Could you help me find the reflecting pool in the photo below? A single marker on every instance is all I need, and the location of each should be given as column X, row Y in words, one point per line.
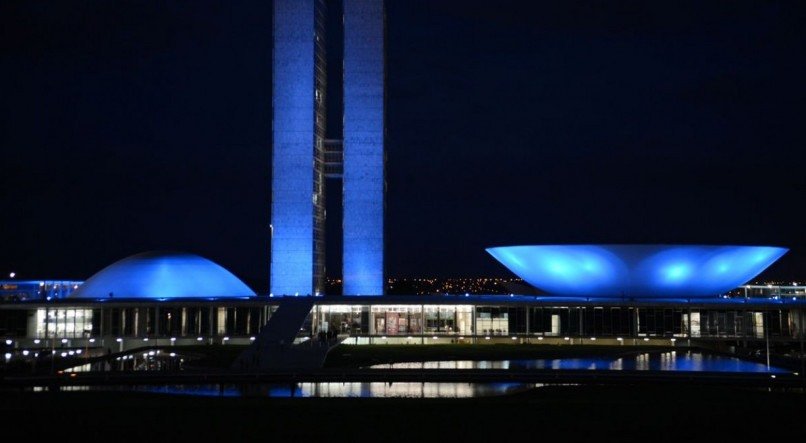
column 683, row 361
column 345, row 390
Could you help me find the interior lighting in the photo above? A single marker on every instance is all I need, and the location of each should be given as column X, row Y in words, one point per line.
column 64, row 340
column 37, row 341
column 92, row 340
column 620, row 339
column 145, row 338
column 9, row 342
column 173, row 339
column 540, row 338
column 199, row 339
column 25, row 352
column 251, row 338
column 646, row 338
column 118, row 339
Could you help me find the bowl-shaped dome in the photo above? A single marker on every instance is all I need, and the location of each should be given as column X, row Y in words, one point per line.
column 155, row 275
column 636, row 270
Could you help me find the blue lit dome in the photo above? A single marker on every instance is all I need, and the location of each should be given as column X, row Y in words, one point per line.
column 157, row 275
column 636, row 270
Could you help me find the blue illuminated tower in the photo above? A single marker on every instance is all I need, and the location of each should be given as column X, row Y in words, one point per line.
column 299, row 157
column 364, row 129
column 298, row 130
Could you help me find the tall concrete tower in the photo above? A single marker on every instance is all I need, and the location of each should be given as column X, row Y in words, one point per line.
column 298, row 131
column 298, row 154
column 364, row 157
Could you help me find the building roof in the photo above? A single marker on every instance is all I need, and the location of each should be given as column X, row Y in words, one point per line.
column 162, row 275
column 636, row 271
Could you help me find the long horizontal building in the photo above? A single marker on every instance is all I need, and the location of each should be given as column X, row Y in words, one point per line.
column 175, row 298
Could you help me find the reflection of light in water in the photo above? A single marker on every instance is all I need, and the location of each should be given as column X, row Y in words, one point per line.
column 400, row 390
column 617, row 365
column 447, row 364
column 642, row 362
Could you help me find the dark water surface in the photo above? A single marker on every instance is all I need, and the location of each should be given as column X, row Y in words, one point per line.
column 683, row 361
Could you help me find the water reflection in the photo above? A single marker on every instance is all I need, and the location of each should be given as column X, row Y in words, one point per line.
column 344, row 390
column 665, row 361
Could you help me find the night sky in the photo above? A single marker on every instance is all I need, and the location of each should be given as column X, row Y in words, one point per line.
column 132, row 126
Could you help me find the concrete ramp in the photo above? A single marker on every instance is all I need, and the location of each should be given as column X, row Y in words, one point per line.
column 274, row 347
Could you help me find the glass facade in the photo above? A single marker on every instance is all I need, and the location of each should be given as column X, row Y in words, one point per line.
column 421, row 323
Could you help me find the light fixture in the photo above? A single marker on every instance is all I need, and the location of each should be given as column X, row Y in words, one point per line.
column 92, row 340
column 118, row 339
column 37, row 341
column 64, row 340
column 9, row 342
column 646, row 338
column 199, row 339
column 25, row 352
column 540, row 338
column 173, row 339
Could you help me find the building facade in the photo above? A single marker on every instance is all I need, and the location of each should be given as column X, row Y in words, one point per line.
column 299, row 153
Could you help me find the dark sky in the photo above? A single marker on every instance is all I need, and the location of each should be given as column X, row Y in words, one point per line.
column 129, row 126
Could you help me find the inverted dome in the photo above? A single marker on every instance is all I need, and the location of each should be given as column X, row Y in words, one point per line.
column 163, row 275
column 636, row 270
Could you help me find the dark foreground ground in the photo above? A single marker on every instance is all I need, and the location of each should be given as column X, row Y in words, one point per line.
column 563, row 413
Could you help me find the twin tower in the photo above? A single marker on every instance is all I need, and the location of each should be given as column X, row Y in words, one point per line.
column 300, row 152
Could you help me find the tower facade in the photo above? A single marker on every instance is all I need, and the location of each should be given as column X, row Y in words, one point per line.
column 364, row 157
column 298, row 151
column 298, row 132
